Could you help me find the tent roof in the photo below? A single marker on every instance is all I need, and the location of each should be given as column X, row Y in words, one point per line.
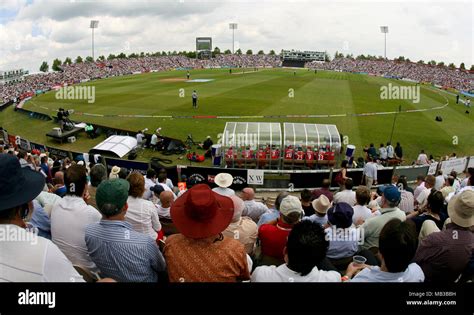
column 117, row 145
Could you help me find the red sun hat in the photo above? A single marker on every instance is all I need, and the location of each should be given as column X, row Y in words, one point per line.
column 201, row 213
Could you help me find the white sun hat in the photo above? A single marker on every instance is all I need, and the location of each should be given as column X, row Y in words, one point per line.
column 223, row 180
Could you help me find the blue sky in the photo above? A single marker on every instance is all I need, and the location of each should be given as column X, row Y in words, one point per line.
column 33, row 31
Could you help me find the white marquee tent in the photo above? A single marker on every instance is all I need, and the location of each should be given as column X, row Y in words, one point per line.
column 116, row 145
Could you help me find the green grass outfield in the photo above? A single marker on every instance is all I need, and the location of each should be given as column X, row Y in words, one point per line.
column 265, row 92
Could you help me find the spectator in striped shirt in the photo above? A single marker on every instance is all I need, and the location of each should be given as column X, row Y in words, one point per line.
column 407, row 203
column 120, row 252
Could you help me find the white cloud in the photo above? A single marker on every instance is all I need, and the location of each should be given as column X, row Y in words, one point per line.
column 418, row 29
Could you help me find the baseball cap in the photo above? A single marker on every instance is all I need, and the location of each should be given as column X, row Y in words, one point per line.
column 112, row 192
column 290, row 204
column 391, row 193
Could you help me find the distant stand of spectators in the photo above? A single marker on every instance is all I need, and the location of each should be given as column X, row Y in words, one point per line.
column 440, row 75
column 77, row 72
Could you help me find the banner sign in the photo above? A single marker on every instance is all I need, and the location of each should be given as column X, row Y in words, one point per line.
column 205, row 175
column 58, row 152
column 255, row 177
column 412, row 172
column 24, row 144
column 37, row 146
column 458, row 165
column 433, row 168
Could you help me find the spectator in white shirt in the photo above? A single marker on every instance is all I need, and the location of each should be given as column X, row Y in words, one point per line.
column 390, row 151
column 141, row 213
column 448, row 187
column 27, row 257
column 166, row 200
column 457, row 182
column 306, row 248
column 157, row 190
column 469, row 174
column 154, row 140
column 422, row 199
column 397, row 247
column 382, row 152
column 71, row 215
column 439, row 180
column 419, row 186
column 224, row 181
column 422, row 159
column 140, row 138
column 370, row 173
column 163, row 178
column 150, row 181
column 362, row 200
column 347, row 195
column 253, row 209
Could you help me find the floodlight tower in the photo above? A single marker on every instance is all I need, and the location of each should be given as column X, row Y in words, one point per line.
column 94, row 25
column 384, row 30
column 233, row 27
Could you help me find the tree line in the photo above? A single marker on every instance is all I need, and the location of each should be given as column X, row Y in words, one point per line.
column 57, row 63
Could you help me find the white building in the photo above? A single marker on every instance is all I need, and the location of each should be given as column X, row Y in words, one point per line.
column 12, row 76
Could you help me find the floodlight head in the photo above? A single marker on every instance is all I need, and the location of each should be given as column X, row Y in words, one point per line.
column 384, row 29
column 233, row 26
column 94, row 24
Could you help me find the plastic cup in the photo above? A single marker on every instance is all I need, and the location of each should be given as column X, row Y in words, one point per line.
column 359, row 260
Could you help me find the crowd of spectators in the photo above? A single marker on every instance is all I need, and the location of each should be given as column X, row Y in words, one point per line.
column 75, row 222
column 439, row 75
column 77, row 72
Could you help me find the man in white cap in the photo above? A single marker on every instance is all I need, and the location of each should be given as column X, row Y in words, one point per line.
column 273, row 235
column 223, row 181
column 444, row 255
